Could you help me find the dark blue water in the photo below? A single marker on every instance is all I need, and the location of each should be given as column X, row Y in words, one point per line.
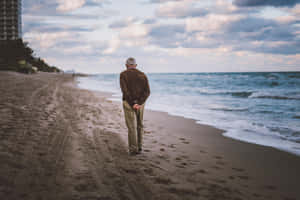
column 261, row 108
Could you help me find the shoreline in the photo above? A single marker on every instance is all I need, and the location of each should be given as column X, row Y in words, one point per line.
column 58, row 141
column 257, row 160
column 110, row 96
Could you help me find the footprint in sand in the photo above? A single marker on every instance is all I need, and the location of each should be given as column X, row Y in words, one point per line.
column 220, row 163
column 180, row 166
column 108, row 160
column 149, row 171
column 105, row 140
column 201, row 151
column 220, row 181
column 270, row 187
column 184, row 140
column 142, row 159
column 256, row 195
column 184, row 163
column 81, row 187
column 202, row 171
column 163, row 157
column 183, row 156
column 218, row 157
column 178, row 158
column 243, row 177
column 164, row 181
column 162, row 149
column 42, row 153
column 130, row 171
column 147, row 150
column 216, row 167
column 85, row 187
column 238, row 169
column 183, row 191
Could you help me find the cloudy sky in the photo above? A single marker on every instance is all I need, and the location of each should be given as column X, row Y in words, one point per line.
column 96, row 36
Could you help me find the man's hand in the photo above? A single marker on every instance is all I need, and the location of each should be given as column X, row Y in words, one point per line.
column 136, row 106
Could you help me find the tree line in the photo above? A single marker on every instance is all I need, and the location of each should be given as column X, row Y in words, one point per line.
column 16, row 55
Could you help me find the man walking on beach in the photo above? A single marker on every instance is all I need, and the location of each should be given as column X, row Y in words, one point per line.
column 135, row 88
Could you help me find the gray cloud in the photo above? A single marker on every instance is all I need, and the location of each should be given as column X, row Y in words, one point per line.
column 167, row 36
column 126, row 22
column 262, row 35
column 150, row 21
column 122, row 23
column 47, row 27
column 42, row 7
column 211, row 43
column 250, row 24
column 162, row 31
column 192, row 9
column 37, row 10
column 65, row 31
column 276, row 3
column 49, row 8
column 162, row 1
column 252, row 34
column 289, row 48
column 183, row 13
column 97, row 3
column 247, row 34
column 259, row 29
column 118, row 24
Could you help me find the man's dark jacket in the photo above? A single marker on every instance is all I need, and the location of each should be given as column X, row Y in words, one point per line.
column 135, row 86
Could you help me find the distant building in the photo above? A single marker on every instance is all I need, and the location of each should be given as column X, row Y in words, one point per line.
column 10, row 19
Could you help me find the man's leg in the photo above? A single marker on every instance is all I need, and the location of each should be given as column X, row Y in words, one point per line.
column 140, row 126
column 130, row 119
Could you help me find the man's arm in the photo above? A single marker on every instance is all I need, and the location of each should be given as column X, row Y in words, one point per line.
column 125, row 91
column 146, row 92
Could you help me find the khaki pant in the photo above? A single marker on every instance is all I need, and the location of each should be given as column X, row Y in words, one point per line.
column 134, row 122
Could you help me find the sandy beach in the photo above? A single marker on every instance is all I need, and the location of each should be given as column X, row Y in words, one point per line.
column 61, row 142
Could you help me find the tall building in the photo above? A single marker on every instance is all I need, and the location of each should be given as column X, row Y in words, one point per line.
column 10, row 19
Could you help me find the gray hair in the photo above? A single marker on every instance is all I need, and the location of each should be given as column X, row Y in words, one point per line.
column 130, row 61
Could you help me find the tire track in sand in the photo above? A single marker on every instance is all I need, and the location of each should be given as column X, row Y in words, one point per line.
column 43, row 152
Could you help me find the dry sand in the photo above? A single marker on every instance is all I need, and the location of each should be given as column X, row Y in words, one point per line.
column 61, row 142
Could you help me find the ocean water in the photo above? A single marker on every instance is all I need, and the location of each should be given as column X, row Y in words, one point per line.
column 261, row 108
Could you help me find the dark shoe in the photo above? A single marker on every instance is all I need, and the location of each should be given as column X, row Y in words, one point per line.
column 140, row 150
column 133, row 153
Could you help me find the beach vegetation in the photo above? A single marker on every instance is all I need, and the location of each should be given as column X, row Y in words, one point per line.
column 16, row 55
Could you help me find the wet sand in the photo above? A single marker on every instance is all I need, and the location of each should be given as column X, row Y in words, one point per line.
column 61, row 142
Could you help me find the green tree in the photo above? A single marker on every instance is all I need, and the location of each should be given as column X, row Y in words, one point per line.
column 13, row 51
